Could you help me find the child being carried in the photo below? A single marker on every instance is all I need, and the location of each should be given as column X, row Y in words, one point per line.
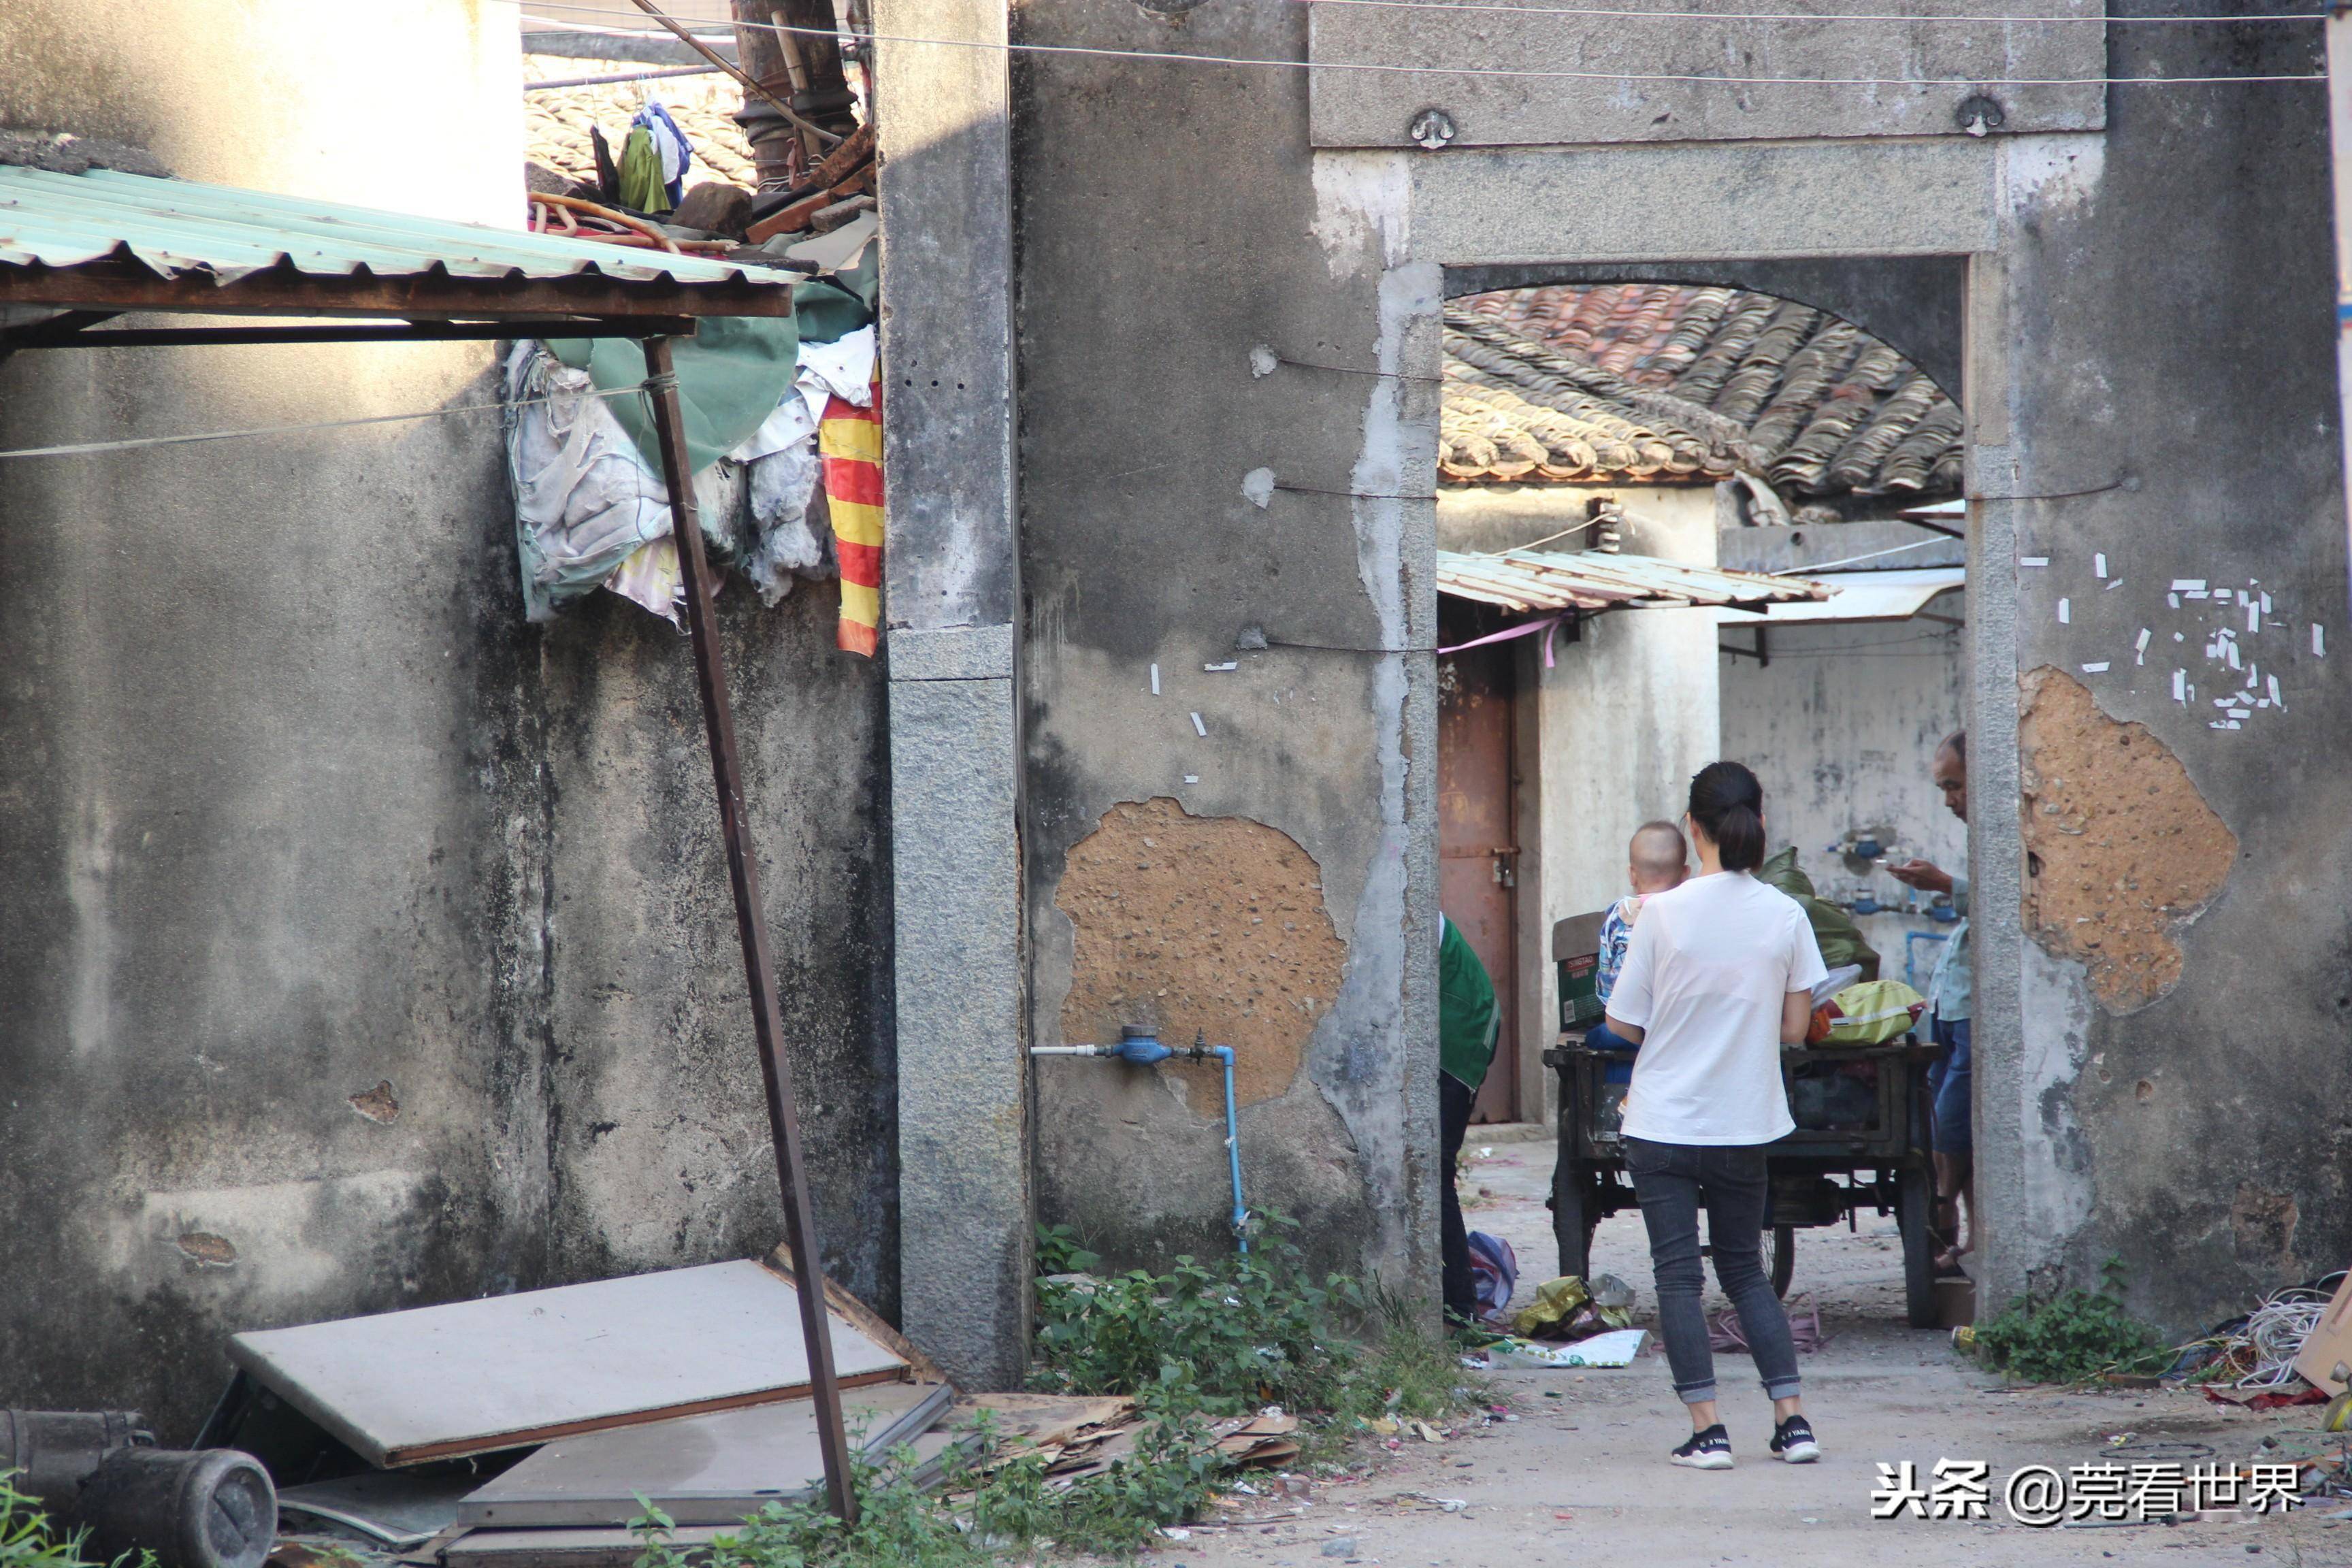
column 1656, row 859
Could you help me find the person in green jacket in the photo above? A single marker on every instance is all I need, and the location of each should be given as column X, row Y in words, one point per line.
column 1467, row 1023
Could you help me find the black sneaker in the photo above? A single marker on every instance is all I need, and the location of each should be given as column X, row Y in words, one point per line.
column 1794, row 1440
column 1708, row 1450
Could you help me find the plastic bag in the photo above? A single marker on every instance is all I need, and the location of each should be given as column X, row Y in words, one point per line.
column 1869, row 1014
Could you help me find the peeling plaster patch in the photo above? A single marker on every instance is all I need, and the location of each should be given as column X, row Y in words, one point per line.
column 1362, row 202
column 2262, row 1231
column 2055, row 1003
column 1186, row 923
column 213, row 1251
column 377, row 1104
column 2121, row 850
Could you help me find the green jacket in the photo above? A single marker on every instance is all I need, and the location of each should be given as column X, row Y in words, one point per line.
column 1467, row 1020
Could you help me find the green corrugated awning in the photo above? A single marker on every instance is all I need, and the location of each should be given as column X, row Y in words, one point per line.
column 143, row 242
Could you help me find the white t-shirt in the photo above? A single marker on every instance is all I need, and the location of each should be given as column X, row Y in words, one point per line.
column 1705, row 978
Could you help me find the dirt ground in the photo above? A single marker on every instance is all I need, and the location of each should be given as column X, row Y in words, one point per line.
column 1576, row 1470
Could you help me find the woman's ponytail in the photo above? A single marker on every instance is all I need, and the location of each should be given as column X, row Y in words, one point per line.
column 1728, row 804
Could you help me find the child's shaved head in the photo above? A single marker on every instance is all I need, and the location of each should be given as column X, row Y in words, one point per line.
column 1658, row 856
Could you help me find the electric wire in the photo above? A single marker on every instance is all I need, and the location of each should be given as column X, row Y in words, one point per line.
column 1973, row 18
column 1518, row 73
column 137, row 443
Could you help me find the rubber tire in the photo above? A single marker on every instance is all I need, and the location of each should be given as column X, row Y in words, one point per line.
column 1783, row 1238
column 1914, row 1209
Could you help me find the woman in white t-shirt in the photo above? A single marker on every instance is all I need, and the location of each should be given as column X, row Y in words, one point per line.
column 1718, row 976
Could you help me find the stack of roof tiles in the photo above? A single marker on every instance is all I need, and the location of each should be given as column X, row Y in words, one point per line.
column 1663, row 383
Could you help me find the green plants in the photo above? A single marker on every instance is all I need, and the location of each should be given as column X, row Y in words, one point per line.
column 2072, row 1337
column 28, row 1538
column 1250, row 1330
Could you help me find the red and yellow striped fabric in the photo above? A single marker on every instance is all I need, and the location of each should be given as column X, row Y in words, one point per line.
column 849, row 441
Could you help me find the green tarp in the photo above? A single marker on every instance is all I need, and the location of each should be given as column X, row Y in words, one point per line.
column 1838, row 938
column 735, row 369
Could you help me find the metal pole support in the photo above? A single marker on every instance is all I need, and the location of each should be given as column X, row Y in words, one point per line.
column 752, row 922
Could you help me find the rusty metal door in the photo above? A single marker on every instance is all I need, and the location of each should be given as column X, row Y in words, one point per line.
column 1477, row 843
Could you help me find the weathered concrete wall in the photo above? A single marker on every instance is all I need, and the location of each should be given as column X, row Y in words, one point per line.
column 364, row 947
column 1144, row 286
column 2192, row 1123
column 1840, row 727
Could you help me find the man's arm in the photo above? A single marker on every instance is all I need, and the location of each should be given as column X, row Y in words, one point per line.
column 1624, row 1031
column 1795, row 1017
column 1924, row 875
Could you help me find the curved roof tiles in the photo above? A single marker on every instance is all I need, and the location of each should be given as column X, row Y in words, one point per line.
column 1667, row 383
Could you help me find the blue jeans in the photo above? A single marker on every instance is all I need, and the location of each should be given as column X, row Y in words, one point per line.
column 1948, row 1082
column 1672, row 1180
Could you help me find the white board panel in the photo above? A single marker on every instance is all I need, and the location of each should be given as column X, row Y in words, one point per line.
column 473, row 1376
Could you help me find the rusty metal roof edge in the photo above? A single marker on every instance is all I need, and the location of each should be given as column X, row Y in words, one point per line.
column 175, row 227
column 1528, row 579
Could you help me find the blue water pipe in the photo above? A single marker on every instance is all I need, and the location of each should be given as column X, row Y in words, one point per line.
column 1911, row 940
column 1140, row 1046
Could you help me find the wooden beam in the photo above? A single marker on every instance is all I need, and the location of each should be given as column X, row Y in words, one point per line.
column 283, row 291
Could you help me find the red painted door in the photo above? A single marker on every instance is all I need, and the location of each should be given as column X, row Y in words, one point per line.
column 1477, row 813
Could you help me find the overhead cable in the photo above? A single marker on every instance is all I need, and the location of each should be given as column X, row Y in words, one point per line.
column 136, row 443
column 1518, row 73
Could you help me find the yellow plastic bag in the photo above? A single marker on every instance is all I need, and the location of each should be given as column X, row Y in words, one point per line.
column 1868, row 1013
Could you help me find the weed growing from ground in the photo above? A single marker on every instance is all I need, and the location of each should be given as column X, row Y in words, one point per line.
column 2073, row 1337
column 28, row 1538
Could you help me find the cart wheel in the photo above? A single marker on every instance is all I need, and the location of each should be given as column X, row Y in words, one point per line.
column 1574, row 1216
column 1914, row 1204
column 1780, row 1257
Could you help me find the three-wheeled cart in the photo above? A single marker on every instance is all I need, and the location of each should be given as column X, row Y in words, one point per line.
column 1872, row 1153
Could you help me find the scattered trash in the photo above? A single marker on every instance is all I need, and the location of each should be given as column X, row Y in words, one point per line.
column 1724, row 1332
column 1493, row 1273
column 1345, row 1546
column 1564, row 1309
column 1609, row 1349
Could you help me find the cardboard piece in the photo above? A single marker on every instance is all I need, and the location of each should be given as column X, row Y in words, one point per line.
column 507, row 1371
column 2330, row 1346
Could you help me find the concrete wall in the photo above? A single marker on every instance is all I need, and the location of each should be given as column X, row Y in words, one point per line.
column 1145, row 281
column 1840, row 727
column 364, row 947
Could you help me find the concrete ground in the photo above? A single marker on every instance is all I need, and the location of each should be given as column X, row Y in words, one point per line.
column 1576, row 1470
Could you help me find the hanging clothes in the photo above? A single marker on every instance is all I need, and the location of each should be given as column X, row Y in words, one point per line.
column 849, row 443
column 676, row 153
column 641, row 188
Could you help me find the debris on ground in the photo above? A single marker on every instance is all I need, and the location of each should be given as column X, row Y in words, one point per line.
column 1724, row 1332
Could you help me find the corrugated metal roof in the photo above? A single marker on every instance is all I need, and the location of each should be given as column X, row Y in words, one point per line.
column 175, row 228
column 1862, row 596
column 1526, row 579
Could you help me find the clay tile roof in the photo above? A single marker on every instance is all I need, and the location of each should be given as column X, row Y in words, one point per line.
column 556, row 120
column 1665, row 383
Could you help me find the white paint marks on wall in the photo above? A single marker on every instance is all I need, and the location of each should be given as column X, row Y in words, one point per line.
column 2318, row 640
column 1155, row 680
column 1192, row 778
column 2254, row 617
column 2065, row 612
column 2189, row 585
column 1257, row 487
column 2230, row 652
column 2173, row 599
column 2139, row 648
column 2277, row 700
column 2113, row 582
column 2099, row 564
column 1218, row 668
column 2100, row 668
column 2033, row 561
column 2180, row 686
column 1200, row 729
column 1363, row 202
